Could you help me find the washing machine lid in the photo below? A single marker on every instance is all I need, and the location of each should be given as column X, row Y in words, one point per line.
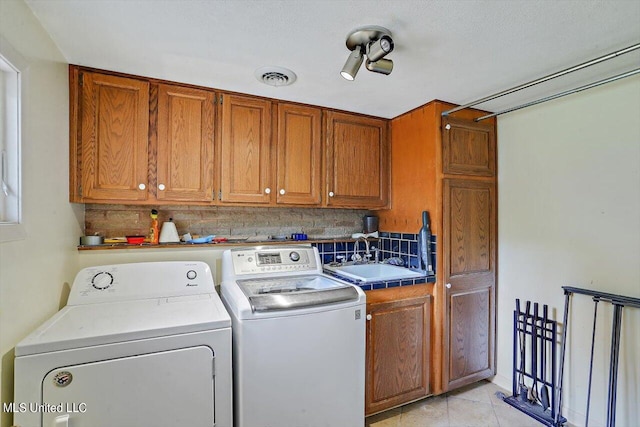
column 287, row 292
column 106, row 323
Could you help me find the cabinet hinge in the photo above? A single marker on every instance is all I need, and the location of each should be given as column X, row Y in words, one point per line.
column 220, row 99
column 220, row 195
column 81, row 79
column 80, row 190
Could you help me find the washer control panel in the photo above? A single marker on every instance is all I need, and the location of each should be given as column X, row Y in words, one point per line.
column 120, row 282
column 274, row 259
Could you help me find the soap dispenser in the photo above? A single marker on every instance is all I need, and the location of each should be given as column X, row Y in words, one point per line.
column 169, row 233
column 154, row 232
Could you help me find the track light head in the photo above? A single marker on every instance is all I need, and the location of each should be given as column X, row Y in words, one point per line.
column 376, row 43
column 382, row 66
column 380, row 48
column 354, row 61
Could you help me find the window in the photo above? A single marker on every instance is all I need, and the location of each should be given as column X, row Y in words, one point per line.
column 11, row 67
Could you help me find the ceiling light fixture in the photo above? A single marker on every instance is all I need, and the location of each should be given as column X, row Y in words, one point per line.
column 382, row 66
column 354, row 61
column 376, row 43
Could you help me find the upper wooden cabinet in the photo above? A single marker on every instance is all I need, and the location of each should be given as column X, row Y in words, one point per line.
column 357, row 161
column 109, row 138
column 299, row 155
column 246, row 150
column 468, row 148
column 185, row 154
column 146, row 141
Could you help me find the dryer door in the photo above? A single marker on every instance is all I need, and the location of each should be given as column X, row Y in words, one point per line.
column 169, row 388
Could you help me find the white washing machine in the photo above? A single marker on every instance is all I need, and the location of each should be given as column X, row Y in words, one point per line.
column 298, row 339
column 138, row 345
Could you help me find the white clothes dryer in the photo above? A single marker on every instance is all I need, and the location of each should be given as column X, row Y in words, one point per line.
column 138, row 345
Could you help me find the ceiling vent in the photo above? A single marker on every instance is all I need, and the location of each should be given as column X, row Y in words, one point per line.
column 275, row 76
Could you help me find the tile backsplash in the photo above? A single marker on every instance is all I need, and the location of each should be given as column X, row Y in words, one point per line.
column 405, row 246
column 225, row 221
column 390, row 245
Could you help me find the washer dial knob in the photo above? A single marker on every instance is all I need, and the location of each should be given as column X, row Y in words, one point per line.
column 191, row 274
column 102, row 280
column 294, row 256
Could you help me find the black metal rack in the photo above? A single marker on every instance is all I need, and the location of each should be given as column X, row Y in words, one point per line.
column 534, row 335
column 619, row 302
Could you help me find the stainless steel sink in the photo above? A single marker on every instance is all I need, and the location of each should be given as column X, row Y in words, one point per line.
column 373, row 272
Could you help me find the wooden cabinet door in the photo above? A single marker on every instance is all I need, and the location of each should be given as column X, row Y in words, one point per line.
column 246, row 150
column 357, row 162
column 185, row 161
column 299, row 151
column 397, row 365
column 469, row 256
column 468, row 147
column 114, row 138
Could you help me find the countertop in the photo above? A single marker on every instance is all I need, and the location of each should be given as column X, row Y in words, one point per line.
column 230, row 243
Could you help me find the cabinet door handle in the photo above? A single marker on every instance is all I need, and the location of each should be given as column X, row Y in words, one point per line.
column 368, row 317
column 331, row 194
column 282, row 191
column 448, row 126
column 448, row 286
column 267, row 190
column 141, row 186
column 161, row 187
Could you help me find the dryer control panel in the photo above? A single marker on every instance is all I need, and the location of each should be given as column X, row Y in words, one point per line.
column 272, row 259
column 122, row 282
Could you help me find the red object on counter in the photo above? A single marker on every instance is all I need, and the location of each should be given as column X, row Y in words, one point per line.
column 135, row 240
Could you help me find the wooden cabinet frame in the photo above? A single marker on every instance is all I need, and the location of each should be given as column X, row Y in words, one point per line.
column 186, row 125
column 246, row 154
column 398, row 347
column 432, row 154
column 299, row 155
column 357, row 162
column 111, row 155
column 469, row 273
column 264, row 152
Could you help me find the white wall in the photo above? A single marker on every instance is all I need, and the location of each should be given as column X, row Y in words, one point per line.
column 33, row 271
column 569, row 215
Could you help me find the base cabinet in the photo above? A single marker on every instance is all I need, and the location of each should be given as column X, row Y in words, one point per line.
column 397, row 361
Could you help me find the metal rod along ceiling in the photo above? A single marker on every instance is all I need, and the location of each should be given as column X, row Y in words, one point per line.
column 550, row 77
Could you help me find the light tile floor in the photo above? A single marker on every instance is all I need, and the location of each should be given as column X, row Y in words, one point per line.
column 472, row 406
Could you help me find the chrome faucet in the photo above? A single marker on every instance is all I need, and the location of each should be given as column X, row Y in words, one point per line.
column 357, row 257
column 376, row 255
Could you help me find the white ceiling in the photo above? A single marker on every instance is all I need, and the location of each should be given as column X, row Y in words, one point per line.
column 455, row 51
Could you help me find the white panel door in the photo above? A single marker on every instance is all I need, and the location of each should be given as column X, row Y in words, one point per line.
column 169, row 388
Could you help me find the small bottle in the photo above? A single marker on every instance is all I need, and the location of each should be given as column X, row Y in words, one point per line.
column 154, row 232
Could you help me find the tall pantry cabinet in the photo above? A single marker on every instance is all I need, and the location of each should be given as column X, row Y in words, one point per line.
column 447, row 166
